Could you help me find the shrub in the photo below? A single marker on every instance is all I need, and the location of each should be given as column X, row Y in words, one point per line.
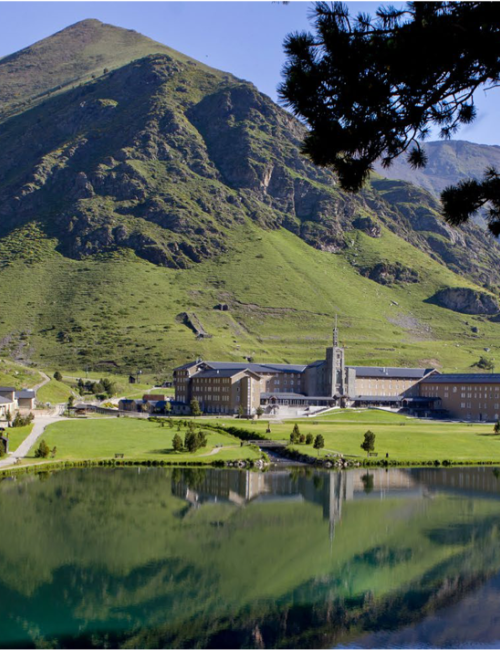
column 319, row 442
column 195, row 407
column 43, row 450
column 57, row 376
column 177, row 443
column 309, row 439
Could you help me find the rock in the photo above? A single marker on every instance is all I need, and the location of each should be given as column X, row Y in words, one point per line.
column 387, row 274
column 367, row 225
column 466, row 301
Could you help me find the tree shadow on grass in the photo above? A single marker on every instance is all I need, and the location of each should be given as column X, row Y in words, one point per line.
column 496, row 436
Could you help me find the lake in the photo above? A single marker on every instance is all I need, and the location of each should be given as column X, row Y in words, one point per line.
column 185, row 558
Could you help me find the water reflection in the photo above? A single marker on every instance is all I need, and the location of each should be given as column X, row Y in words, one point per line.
column 211, row 558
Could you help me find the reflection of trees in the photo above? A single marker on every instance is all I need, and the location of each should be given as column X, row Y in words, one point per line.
column 367, row 480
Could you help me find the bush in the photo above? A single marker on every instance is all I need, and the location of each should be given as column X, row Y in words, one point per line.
column 20, row 421
column 309, row 439
column 177, row 443
column 57, row 376
column 43, row 450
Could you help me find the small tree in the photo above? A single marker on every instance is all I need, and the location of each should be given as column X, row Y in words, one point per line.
column 54, row 452
column 319, row 442
column 496, row 428
column 57, row 376
column 2, row 448
column 167, row 408
column 177, row 443
column 191, row 441
column 195, row 407
column 43, row 450
column 259, row 412
column 8, row 417
column 71, row 401
column 201, row 439
column 368, row 443
column 295, row 435
column 302, row 438
column 309, row 439
column 170, row 423
column 241, row 411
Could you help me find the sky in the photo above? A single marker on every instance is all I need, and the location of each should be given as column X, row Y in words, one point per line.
column 244, row 38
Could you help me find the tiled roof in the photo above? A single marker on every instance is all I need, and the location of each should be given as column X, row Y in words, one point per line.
column 5, row 400
column 396, row 373
column 463, row 379
column 25, row 394
column 6, row 388
column 257, row 367
column 220, row 373
column 187, row 365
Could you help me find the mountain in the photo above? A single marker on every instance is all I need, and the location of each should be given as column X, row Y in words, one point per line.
column 149, row 199
column 449, row 161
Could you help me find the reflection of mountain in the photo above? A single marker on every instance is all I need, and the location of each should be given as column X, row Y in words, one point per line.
column 104, row 557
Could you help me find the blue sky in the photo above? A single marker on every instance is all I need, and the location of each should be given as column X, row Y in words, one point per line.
column 244, row 38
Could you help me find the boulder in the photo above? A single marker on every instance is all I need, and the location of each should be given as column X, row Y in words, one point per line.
column 466, row 301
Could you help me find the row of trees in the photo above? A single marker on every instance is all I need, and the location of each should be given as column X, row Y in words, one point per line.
column 297, row 438
column 102, row 388
column 192, row 441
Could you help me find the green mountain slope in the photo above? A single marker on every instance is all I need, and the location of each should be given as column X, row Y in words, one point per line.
column 135, row 203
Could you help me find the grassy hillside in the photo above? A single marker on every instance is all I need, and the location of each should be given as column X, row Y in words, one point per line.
column 120, row 313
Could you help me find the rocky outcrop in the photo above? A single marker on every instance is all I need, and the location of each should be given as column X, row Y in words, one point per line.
column 388, row 274
column 466, row 301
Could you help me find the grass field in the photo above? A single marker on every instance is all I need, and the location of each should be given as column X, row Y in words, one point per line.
column 404, row 439
column 17, row 435
column 55, row 392
column 137, row 439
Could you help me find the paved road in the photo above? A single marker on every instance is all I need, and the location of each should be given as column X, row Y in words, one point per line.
column 41, row 421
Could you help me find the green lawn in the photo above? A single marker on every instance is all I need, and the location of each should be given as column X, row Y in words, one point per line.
column 135, row 438
column 17, row 435
column 55, row 392
column 404, row 439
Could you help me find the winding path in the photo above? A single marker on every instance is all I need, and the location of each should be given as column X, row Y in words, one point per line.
column 39, row 425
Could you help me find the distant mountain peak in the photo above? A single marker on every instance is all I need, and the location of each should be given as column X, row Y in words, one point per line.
column 74, row 55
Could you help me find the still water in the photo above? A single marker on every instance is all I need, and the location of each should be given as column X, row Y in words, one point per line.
column 152, row 558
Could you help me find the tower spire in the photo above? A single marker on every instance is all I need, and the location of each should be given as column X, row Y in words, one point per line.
column 335, row 334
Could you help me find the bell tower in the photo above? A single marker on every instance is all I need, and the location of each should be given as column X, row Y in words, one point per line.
column 335, row 366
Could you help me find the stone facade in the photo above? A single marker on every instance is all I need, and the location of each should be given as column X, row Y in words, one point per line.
column 474, row 397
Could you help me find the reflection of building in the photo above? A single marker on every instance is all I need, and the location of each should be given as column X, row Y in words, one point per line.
column 329, row 490
column 465, row 481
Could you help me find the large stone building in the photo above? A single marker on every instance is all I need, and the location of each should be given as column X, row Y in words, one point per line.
column 228, row 387
column 465, row 397
column 222, row 387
